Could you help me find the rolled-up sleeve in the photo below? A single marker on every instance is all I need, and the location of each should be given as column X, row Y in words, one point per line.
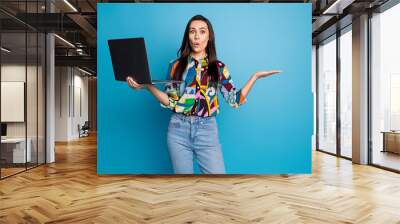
column 171, row 89
column 227, row 88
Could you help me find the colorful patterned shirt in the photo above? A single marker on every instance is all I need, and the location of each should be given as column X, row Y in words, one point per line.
column 197, row 95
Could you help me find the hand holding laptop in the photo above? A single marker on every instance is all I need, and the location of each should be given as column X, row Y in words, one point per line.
column 158, row 94
column 129, row 59
column 133, row 84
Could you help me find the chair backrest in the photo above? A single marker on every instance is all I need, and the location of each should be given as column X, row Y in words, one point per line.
column 86, row 125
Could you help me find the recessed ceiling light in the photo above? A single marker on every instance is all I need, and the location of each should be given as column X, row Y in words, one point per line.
column 84, row 71
column 5, row 50
column 70, row 5
column 64, row 40
column 338, row 6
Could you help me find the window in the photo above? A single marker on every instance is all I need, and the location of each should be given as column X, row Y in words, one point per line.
column 385, row 88
column 327, row 95
column 346, row 92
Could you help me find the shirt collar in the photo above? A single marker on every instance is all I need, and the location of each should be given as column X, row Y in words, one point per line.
column 191, row 58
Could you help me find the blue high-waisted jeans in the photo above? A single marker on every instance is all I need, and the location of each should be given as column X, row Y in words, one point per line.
column 192, row 137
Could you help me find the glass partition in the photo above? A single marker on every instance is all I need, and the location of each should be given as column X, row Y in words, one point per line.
column 22, row 78
column 14, row 153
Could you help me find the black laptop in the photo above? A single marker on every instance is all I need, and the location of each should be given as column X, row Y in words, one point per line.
column 129, row 58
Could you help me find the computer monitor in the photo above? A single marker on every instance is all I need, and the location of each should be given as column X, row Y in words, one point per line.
column 3, row 129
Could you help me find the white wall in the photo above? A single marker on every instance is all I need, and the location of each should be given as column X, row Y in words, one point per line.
column 13, row 101
column 14, row 73
column 61, row 103
column 80, row 110
column 71, row 93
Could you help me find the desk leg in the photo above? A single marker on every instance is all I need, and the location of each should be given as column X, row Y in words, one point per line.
column 384, row 142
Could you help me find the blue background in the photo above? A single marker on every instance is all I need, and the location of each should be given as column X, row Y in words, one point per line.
column 269, row 134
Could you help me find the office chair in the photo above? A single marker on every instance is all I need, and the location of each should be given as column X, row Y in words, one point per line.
column 84, row 130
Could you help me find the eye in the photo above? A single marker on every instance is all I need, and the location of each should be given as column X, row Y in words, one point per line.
column 191, row 32
column 203, row 32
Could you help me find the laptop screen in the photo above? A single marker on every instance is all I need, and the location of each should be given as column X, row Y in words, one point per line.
column 129, row 58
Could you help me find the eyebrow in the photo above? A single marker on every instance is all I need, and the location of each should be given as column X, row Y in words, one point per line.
column 199, row 28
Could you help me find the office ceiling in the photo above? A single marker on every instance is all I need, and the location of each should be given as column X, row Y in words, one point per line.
column 76, row 22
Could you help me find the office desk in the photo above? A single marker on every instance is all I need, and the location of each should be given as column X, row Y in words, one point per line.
column 391, row 141
column 13, row 150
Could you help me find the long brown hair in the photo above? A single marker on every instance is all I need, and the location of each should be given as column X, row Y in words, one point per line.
column 185, row 50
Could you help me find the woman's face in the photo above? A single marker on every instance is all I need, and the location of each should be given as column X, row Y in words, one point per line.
column 198, row 36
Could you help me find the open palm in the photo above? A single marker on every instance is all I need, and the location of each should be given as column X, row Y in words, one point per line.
column 262, row 74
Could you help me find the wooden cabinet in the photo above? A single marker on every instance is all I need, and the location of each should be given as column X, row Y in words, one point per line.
column 391, row 142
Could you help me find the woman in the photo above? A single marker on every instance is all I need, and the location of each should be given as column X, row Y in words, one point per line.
column 192, row 131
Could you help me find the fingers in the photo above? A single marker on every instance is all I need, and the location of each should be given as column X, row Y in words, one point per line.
column 273, row 72
column 133, row 84
column 262, row 74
